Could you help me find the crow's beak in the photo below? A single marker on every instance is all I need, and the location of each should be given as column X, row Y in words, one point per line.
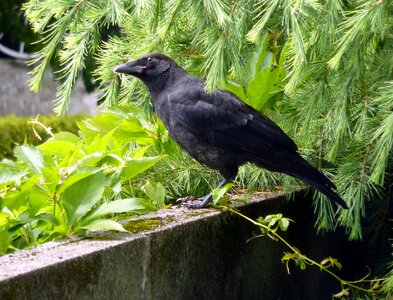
column 130, row 68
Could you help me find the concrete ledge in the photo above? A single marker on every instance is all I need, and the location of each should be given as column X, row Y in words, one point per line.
column 189, row 254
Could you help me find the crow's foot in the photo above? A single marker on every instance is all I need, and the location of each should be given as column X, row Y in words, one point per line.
column 196, row 202
column 186, row 199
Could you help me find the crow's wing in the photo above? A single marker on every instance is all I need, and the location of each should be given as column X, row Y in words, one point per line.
column 221, row 119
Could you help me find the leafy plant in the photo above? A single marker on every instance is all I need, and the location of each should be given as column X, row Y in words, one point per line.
column 220, row 193
column 155, row 192
column 263, row 83
column 270, row 226
column 71, row 184
column 272, row 223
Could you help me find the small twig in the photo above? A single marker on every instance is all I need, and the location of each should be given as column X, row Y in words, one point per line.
column 35, row 121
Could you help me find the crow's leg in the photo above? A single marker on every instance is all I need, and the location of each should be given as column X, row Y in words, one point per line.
column 203, row 201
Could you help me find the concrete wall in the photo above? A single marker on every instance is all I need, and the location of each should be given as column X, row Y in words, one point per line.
column 16, row 97
column 192, row 254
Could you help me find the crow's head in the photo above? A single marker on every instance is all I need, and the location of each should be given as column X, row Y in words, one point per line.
column 148, row 66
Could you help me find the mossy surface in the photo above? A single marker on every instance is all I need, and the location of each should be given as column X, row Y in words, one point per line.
column 140, row 225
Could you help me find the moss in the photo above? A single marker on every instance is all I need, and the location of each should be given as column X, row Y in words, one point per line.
column 140, row 225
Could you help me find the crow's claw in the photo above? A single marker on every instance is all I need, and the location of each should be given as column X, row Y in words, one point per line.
column 186, row 199
column 198, row 202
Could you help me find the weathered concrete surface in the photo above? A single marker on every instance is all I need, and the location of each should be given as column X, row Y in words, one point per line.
column 193, row 254
column 16, row 97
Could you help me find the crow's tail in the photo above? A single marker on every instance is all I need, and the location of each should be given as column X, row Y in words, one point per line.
column 304, row 171
column 326, row 190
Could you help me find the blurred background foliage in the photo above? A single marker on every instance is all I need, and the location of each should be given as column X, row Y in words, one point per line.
column 18, row 130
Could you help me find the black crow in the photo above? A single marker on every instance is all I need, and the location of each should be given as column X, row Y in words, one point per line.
column 219, row 130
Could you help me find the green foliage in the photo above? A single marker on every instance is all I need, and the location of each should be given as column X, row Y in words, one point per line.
column 273, row 223
column 71, row 184
column 263, row 84
column 387, row 286
column 155, row 192
column 16, row 130
column 270, row 226
column 219, row 193
column 335, row 100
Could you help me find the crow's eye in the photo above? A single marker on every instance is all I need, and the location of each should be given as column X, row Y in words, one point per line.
column 149, row 62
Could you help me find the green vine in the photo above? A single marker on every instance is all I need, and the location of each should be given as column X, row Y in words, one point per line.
column 271, row 224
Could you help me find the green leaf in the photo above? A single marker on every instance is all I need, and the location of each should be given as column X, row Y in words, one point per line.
column 256, row 57
column 137, row 166
column 31, row 156
column 104, row 224
column 236, row 89
column 5, row 241
column 5, row 217
column 70, row 180
column 131, row 112
column 283, row 224
column 114, row 182
column 218, row 193
column 264, row 86
column 134, row 205
column 81, row 196
column 155, row 192
column 10, row 171
column 139, row 152
column 59, row 148
column 65, row 136
column 330, row 261
column 101, row 125
column 301, row 263
column 17, row 198
column 38, row 200
column 127, row 123
column 47, row 218
column 272, row 220
column 111, row 160
column 288, row 256
column 99, row 143
column 52, row 178
column 90, row 160
column 342, row 293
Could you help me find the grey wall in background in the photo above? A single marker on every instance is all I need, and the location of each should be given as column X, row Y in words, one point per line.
column 16, row 97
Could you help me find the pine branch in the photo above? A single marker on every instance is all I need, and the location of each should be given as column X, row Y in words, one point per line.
column 356, row 28
column 382, row 135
